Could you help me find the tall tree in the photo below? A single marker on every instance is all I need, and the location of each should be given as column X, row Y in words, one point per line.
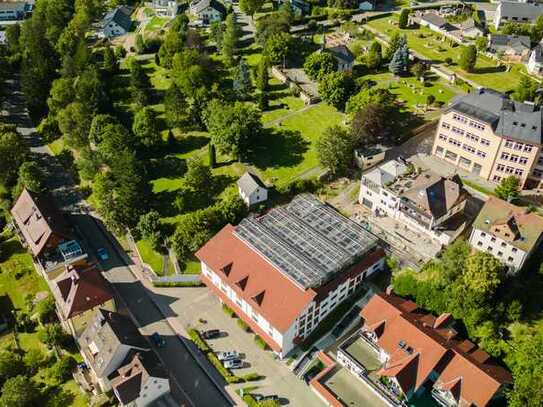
column 13, row 151
column 74, row 122
column 175, row 105
column 468, row 58
column 508, row 189
column 404, row 18
column 262, row 75
column 230, row 40
column 198, row 176
column 19, row 391
column 374, row 58
column 319, row 64
column 145, row 127
column 250, row 6
column 278, row 47
column 400, row 60
column 335, row 149
column 336, row 88
column 242, row 80
column 370, row 124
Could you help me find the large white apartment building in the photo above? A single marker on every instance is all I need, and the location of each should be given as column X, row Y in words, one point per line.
column 506, row 231
column 422, row 200
column 284, row 272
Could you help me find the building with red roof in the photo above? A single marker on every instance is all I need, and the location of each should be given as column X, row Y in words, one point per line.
column 283, row 272
column 418, row 352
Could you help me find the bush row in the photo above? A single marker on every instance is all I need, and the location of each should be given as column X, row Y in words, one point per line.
column 177, row 284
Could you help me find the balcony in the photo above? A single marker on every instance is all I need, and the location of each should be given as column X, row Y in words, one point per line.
column 442, row 399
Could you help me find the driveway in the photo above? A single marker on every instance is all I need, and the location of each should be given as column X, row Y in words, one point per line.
column 191, row 386
column 191, row 304
column 246, row 24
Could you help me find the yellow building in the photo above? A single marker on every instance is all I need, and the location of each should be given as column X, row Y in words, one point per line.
column 491, row 136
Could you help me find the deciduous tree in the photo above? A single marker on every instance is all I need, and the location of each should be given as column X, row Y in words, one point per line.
column 335, row 149
column 509, row 188
column 145, row 127
column 468, row 58
column 319, row 64
column 336, row 88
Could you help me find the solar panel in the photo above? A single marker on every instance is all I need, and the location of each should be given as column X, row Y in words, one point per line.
column 307, row 240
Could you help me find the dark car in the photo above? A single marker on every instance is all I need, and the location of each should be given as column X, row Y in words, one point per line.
column 158, row 340
column 211, row 334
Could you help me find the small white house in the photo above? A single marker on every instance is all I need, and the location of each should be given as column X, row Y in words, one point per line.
column 208, row 11
column 251, row 189
column 535, row 62
column 165, row 8
column 117, row 22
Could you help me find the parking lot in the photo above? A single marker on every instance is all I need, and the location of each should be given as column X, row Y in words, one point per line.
column 190, row 305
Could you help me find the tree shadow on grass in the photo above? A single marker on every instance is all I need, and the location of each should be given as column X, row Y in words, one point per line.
column 279, row 148
column 489, row 69
column 166, row 167
column 9, row 248
column 164, row 203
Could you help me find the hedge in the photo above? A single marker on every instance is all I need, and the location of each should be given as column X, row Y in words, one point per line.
column 177, row 284
column 228, row 311
column 251, row 377
column 251, row 402
column 198, row 341
column 243, row 325
column 260, row 342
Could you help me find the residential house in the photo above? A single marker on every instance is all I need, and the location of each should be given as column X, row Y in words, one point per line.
column 516, row 12
column 300, row 7
column 284, row 272
column 344, row 57
column 535, row 62
column 512, row 48
column 208, row 11
column 106, row 344
column 117, row 22
column 79, row 292
column 44, row 230
column 508, row 232
column 12, row 10
column 141, row 380
column 417, row 352
column 165, row 8
column 251, row 189
column 433, row 21
column 490, row 135
column 421, row 200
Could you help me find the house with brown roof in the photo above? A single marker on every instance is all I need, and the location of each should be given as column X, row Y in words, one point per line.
column 44, row 230
column 508, row 232
column 105, row 345
column 140, row 381
column 416, row 352
column 79, row 292
column 284, row 272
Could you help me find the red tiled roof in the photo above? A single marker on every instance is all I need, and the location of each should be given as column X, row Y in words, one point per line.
column 475, row 376
column 38, row 219
column 80, row 289
column 269, row 292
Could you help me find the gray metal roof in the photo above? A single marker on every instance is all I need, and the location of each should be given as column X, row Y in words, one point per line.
column 520, row 10
column 119, row 15
column 522, row 121
column 341, row 53
column 198, row 6
column 434, row 19
column 519, row 43
column 249, row 183
column 307, row 240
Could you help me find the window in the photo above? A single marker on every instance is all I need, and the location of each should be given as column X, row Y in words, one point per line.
column 442, row 137
column 519, row 172
column 503, row 244
column 540, row 161
column 500, row 253
column 468, row 148
column 454, row 142
column 445, row 125
column 518, row 146
column 451, row 156
column 493, row 239
column 509, row 259
column 509, row 144
column 472, row 136
column 509, row 170
column 500, row 168
column 481, row 154
column 489, row 248
column 514, row 250
column 459, row 118
column 514, row 158
column 528, row 148
column 476, row 125
column 483, row 234
column 485, row 142
column 458, row 131
column 496, row 178
column 464, row 161
column 505, row 156
column 479, row 243
column 439, row 150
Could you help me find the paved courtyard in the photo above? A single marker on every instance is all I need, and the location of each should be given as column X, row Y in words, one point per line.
column 352, row 391
column 187, row 305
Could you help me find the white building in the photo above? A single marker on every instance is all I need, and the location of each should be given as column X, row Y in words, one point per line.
column 208, row 11
column 251, row 189
column 507, row 232
column 535, row 62
column 421, row 200
column 284, row 272
column 165, row 8
column 12, row 10
column 117, row 22
column 516, row 12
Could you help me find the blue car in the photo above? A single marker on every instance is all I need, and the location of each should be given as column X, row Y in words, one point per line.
column 102, row 254
column 158, row 340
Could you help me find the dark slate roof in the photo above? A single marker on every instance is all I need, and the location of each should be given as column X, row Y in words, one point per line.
column 521, row 10
column 434, row 19
column 522, row 121
column 201, row 5
column 538, row 53
column 249, row 183
column 342, row 53
column 519, row 43
column 107, row 331
column 119, row 15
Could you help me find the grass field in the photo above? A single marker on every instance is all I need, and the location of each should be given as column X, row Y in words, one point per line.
column 156, row 23
column 150, row 256
column 426, row 42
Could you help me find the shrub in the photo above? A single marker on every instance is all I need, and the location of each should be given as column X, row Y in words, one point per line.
column 177, row 284
column 228, row 311
column 243, row 325
column 260, row 342
column 225, row 373
column 62, row 369
column 251, row 377
column 448, row 60
column 198, row 341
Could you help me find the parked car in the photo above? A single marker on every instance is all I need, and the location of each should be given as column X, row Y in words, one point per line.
column 158, row 340
column 211, row 334
column 102, row 254
column 261, row 397
column 223, row 356
column 233, row 364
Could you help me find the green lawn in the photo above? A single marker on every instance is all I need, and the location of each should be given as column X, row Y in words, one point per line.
column 193, row 267
column 427, row 43
column 281, row 103
column 150, row 256
column 57, row 146
column 156, row 23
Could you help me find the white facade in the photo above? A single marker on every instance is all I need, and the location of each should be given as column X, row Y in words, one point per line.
column 113, row 29
column 10, row 11
column 154, row 388
column 535, row 65
column 510, row 255
column 308, row 319
column 208, row 15
column 258, row 195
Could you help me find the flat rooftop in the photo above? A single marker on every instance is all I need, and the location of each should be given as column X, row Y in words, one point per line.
column 307, row 240
column 364, row 354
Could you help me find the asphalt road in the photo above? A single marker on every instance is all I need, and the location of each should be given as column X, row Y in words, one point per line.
column 190, row 384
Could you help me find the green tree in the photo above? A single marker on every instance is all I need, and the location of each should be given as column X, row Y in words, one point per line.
column 526, row 89
column 212, row 155
column 61, row 95
column 88, row 164
column 370, row 125
column 418, row 70
column 150, row 228
column 53, row 335
column 34, row 360
column 404, row 18
column 270, row 24
column 468, row 58
column 319, row 64
column 139, row 83
column 233, row 127
column 262, row 74
column 98, row 126
column 62, row 370
column 399, row 63
column 250, row 6
column 193, row 230
column 481, row 43
column 374, row 58
column 508, row 189
column 89, row 89
column 336, row 88
column 13, row 151
column 278, row 47
column 19, row 391
column 11, row 365
column 174, row 40
column 145, row 127
column 111, row 64
column 242, row 80
column 482, row 274
column 140, row 44
column 198, row 176
column 31, row 177
column 396, row 40
column 371, row 96
column 230, row 40
column 74, row 122
column 335, row 149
